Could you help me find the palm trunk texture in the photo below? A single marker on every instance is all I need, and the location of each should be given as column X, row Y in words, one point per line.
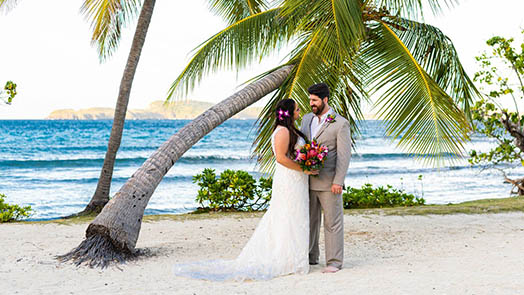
column 113, row 234
column 101, row 195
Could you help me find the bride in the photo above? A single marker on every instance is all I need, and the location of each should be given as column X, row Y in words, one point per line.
column 280, row 243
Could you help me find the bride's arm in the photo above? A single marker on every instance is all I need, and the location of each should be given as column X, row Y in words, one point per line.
column 281, row 147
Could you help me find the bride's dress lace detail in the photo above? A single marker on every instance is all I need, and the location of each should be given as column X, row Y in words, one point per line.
column 280, row 243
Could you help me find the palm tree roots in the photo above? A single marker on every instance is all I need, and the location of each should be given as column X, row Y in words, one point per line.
column 98, row 250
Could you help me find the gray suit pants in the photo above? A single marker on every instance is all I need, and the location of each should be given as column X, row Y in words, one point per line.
column 331, row 204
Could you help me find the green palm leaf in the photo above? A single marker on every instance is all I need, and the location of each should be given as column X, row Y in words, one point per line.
column 235, row 10
column 345, row 15
column 415, row 108
column 235, row 47
column 410, row 8
column 435, row 52
column 108, row 18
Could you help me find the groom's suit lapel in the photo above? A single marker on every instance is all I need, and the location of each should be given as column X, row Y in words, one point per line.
column 324, row 126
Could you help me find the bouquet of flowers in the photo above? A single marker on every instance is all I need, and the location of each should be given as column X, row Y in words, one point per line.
column 311, row 156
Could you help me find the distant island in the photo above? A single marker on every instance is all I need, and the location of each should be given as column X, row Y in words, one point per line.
column 156, row 111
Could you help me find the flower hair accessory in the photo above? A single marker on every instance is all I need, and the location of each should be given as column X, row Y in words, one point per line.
column 282, row 114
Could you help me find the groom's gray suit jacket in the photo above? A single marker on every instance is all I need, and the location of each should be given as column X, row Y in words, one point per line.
column 336, row 136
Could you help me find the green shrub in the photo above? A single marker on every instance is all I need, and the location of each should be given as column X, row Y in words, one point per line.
column 233, row 190
column 9, row 93
column 369, row 197
column 10, row 213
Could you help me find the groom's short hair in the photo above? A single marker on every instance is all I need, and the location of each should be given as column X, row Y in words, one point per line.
column 321, row 90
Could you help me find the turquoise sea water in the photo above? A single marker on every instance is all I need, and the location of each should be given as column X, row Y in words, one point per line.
column 54, row 165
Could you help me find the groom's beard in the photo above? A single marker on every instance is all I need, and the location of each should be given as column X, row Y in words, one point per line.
column 318, row 110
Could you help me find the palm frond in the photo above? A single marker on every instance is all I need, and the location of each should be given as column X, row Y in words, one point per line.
column 108, row 18
column 7, row 5
column 413, row 105
column 435, row 52
column 345, row 15
column 235, row 10
column 350, row 29
column 234, row 47
column 412, row 9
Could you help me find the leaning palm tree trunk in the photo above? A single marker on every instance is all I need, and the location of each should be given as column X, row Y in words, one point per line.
column 101, row 196
column 114, row 232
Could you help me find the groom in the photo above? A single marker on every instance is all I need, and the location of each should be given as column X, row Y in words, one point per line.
column 325, row 190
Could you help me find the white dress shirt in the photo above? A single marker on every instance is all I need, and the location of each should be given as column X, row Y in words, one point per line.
column 316, row 124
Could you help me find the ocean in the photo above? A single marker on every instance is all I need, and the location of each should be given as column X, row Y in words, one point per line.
column 53, row 165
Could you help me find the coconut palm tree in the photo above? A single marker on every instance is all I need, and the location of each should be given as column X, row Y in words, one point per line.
column 357, row 47
column 108, row 18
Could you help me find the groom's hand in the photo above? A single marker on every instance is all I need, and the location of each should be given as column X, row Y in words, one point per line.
column 336, row 189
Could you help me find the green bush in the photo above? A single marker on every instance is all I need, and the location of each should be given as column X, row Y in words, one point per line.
column 10, row 213
column 369, row 197
column 9, row 93
column 233, row 191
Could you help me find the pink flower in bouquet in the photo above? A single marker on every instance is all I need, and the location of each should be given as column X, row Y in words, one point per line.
column 311, row 153
column 320, row 156
column 301, row 156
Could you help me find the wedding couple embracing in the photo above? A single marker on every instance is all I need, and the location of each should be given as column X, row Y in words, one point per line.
column 286, row 240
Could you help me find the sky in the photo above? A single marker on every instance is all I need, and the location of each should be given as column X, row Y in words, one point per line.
column 45, row 49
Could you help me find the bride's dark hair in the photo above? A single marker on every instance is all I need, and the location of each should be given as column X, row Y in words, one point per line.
column 284, row 114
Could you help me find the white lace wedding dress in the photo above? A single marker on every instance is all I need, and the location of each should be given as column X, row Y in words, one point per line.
column 280, row 243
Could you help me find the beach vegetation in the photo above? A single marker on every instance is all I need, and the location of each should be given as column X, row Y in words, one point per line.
column 9, row 213
column 232, row 191
column 501, row 77
column 378, row 197
column 8, row 93
column 484, row 206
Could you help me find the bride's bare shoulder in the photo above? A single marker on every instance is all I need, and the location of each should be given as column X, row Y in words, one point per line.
column 281, row 132
column 281, row 129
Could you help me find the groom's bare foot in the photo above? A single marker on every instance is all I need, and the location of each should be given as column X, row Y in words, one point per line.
column 330, row 269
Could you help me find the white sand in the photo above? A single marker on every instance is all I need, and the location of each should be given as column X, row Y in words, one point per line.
column 450, row 254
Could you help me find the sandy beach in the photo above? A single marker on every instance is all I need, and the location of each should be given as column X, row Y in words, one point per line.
column 433, row 254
